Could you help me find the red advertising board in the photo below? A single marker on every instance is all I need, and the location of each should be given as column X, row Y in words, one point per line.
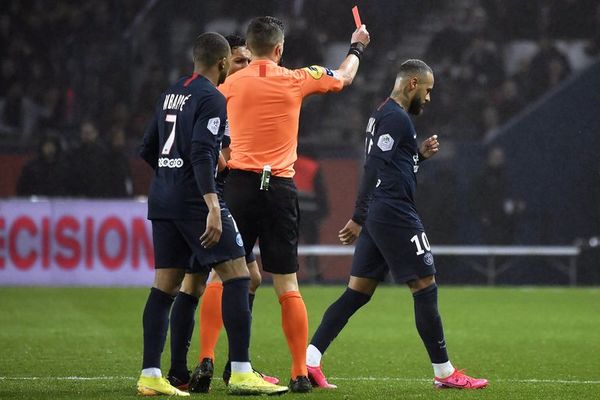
column 70, row 242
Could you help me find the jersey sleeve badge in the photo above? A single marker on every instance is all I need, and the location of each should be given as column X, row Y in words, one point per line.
column 385, row 142
column 213, row 125
column 315, row 71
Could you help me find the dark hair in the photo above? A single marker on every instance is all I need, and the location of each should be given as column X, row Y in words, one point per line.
column 235, row 41
column 414, row 67
column 209, row 48
column 263, row 34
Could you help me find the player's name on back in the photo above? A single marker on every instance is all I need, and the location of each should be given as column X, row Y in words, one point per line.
column 175, row 101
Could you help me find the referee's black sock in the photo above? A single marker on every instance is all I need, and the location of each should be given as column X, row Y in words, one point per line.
column 155, row 323
column 237, row 318
column 429, row 323
column 182, row 327
column 337, row 316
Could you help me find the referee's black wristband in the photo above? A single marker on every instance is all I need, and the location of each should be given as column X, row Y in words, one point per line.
column 422, row 157
column 357, row 48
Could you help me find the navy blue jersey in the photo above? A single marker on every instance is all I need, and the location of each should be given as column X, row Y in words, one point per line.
column 182, row 144
column 391, row 138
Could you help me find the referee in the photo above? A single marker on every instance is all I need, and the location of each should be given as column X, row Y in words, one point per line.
column 263, row 105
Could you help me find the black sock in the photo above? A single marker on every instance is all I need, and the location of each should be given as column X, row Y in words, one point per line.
column 251, row 300
column 155, row 323
column 336, row 317
column 182, row 327
column 429, row 324
column 237, row 318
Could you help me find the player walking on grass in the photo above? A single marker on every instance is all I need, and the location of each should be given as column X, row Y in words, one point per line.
column 182, row 145
column 391, row 237
column 263, row 103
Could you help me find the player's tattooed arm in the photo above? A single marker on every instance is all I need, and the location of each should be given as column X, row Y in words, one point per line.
column 429, row 148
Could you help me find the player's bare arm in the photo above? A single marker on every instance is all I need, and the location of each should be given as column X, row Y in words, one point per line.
column 212, row 234
column 348, row 68
column 429, row 147
column 349, row 232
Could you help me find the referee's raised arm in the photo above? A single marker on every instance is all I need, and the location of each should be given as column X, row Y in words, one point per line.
column 349, row 67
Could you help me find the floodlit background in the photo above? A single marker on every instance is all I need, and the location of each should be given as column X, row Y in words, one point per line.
column 515, row 105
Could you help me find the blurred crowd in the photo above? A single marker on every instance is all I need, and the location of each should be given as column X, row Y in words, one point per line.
column 477, row 88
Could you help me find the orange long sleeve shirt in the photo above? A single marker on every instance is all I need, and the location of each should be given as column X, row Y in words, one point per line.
column 263, row 110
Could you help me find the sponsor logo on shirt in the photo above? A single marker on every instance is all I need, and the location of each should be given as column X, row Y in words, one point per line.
column 165, row 162
column 316, row 71
column 416, row 161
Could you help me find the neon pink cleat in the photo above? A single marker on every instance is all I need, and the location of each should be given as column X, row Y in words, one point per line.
column 270, row 379
column 458, row 380
column 317, row 378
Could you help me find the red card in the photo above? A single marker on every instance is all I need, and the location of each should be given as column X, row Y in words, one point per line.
column 356, row 17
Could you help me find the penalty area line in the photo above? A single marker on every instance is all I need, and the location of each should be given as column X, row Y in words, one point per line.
column 357, row 378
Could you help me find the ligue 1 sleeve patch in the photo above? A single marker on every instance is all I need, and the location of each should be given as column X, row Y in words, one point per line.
column 315, row 71
column 385, row 142
column 213, row 125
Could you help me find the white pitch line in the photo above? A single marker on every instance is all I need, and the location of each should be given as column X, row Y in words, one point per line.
column 358, row 378
column 398, row 379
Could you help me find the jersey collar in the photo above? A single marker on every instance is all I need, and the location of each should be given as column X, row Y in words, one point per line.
column 263, row 62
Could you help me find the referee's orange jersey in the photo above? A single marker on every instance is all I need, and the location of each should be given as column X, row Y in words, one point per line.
column 263, row 109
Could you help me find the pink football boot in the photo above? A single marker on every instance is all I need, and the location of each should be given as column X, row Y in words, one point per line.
column 317, row 378
column 458, row 380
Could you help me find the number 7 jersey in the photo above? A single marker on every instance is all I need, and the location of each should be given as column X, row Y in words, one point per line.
column 186, row 130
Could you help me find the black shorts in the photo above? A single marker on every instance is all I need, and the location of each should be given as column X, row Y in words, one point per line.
column 383, row 248
column 196, row 267
column 271, row 216
column 176, row 242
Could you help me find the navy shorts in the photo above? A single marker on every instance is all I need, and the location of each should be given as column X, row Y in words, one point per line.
column 269, row 216
column 383, row 248
column 176, row 242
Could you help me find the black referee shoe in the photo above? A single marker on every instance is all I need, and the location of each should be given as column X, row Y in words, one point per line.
column 202, row 376
column 300, row 385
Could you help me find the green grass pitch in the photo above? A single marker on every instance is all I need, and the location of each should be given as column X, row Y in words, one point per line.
column 541, row 343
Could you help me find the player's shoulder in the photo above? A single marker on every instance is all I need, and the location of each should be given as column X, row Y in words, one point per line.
column 390, row 116
column 389, row 110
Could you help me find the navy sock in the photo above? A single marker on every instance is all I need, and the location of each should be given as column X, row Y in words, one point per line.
column 251, row 300
column 182, row 327
column 429, row 323
column 237, row 318
column 337, row 316
column 155, row 323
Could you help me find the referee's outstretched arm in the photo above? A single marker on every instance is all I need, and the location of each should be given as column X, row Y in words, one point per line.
column 348, row 68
